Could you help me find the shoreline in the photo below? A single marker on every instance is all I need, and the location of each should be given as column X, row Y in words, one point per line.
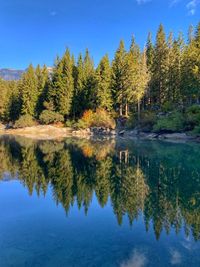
column 48, row 132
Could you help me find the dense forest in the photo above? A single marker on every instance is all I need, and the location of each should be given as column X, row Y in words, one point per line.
column 147, row 180
column 139, row 85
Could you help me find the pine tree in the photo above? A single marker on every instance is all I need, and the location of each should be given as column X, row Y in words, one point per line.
column 150, row 60
column 14, row 107
column 174, row 71
column 190, row 34
column 119, row 77
column 144, row 77
column 62, row 86
column 103, row 76
column 160, row 69
column 42, row 76
column 190, row 70
column 66, row 93
column 78, row 74
column 29, row 92
column 132, row 74
column 89, row 83
column 149, row 52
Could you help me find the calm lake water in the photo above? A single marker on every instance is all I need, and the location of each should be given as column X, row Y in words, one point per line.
column 84, row 203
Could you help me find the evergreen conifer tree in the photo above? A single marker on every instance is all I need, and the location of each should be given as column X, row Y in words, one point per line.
column 103, row 75
column 29, row 92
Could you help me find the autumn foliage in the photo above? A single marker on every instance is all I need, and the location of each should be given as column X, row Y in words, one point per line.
column 100, row 118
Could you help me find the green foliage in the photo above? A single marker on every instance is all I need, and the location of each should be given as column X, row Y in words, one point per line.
column 159, row 69
column 131, row 121
column 103, row 76
column 164, row 76
column 43, row 82
column 29, row 92
column 84, row 85
column 49, row 117
column 171, row 123
column 81, row 124
column 196, row 130
column 70, row 123
column 62, row 86
column 147, row 121
column 167, row 106
column 119, row 76
column 193, row 117
column 25, row 121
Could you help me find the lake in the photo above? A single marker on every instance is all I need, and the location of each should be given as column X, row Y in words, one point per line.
column 99, row 203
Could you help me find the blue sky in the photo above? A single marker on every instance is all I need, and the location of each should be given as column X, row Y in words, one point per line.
column 35, row 31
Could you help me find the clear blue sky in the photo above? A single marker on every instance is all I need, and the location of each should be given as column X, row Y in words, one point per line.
column 37, row 30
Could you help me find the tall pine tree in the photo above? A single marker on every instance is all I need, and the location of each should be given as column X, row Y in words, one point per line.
column 160, row 69
column 119, row 76
column 103, row 76
column 29, row 92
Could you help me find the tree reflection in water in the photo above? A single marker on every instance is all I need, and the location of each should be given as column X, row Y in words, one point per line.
column 159, row 181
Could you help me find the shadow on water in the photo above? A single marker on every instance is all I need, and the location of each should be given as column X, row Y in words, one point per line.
column 160, row 181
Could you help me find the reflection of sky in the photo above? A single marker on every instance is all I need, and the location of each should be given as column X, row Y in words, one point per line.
column 137, row 259
column 35, row 230
column 176, row 257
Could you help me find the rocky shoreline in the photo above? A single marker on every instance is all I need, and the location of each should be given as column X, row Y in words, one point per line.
column 54, row 132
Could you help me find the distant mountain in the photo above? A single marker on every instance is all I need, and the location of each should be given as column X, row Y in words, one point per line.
column 10, row 74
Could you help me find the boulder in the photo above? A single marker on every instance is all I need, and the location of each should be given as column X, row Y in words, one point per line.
column 2, row 126
column 122, row 132
column 152, row 136
column 177, row 136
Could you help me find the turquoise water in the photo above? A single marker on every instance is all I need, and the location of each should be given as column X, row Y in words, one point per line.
column 85, row 203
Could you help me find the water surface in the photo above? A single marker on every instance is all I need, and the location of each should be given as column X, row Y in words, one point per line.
column 86, row 203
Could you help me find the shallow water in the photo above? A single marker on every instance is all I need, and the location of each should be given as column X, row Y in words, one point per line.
column 86, row 203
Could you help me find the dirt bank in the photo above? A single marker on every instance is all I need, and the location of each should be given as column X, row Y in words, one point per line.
column 47, row 132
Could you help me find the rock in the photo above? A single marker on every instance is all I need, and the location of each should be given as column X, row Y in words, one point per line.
column 134, row 132
column 122, row 132
column 113, row 132
column 152, row 136
column 2, row 126
column 177, row 136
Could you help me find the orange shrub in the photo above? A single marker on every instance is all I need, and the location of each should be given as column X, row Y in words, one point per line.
column 103, row 119
column 100, row 118
column 88, row 117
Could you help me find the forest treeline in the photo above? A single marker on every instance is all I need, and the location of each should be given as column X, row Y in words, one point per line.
column 164, row 76
column 148, row 180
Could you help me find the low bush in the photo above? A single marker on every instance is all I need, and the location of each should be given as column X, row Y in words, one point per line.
column 196, row 130
column 70, row 123
column 103, row 119
column 167, row 106
column 173, row 122
column 100, row 118
column 49, row 117
column 192, row 117
column 131, row 121
column 25, row 121
column 87, row 119
column 147, row 121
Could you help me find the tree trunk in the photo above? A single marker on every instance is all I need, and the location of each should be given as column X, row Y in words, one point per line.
column 138, row 104
column 126, row 110
column 120, row 110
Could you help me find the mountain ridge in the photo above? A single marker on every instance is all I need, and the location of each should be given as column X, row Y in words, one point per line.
column 11, row 74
